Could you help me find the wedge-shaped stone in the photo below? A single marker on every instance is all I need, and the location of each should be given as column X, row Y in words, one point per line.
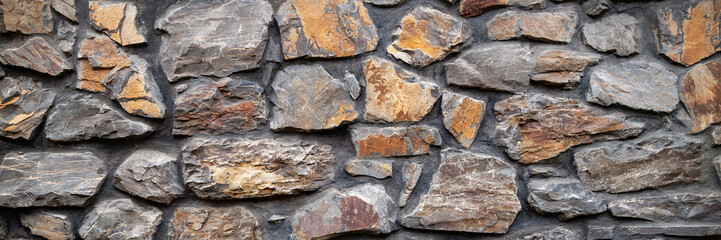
column 135, row 89
column 700, row 92
column 118, row 20
column 23, row 105
column 411, row 173
column 670, row 207
column 636, row 84
column 563, row 68
column 618, row 34
column 556, row 26
column 98, row 55
column 189, row 223
column 470, row 8
column 717, row 166
column 689, row 31
column 564, row 196
column 120, row 219
column 66, row 8
column 27, row 16
column 49, row 224
column 151, row 175
column 462, row 116
column 371, row 142
column 37, row 54
column 492, row 66
column 379, row 169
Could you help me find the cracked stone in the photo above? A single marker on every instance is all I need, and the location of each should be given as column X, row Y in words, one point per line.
column 49, row 224
column 98, row 55
column 700, row 92
column 470, row 8
column 411, row 173
column 688, row 32
column 65, row 36
column 619, row 34
column 214, row 223
column 462, row 116
column 596, row 7
column 557, row 233
column 151, row 175
column 65, row 8
column 118, row 20
column 670, row 207
column 556, row 26
column 563, row 68
column 636, row 84
column 135, row 89
column 372, row 142
column 37, row 54
column 379, row 169
column 120, row 219
column 23, row 105
column 492, row 66
column 27, row 16
column 566, row 197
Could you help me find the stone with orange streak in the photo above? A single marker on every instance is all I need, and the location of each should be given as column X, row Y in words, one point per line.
column 700, row 92
column 98, row 55
column 135, row 89
column 554, row 26
column 49, row 224
column 562, row 68
column 470, row 8
column 27, row 16
column 23, row 106
column 379, row 169
column 462, row 116
column 118, row 20
column 201, row 222
column 37, row 54
column 427, row 35
column 689, row 31
column 498, row 66
column 372, row 142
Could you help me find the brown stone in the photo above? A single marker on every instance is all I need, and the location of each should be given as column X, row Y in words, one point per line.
column 462, row 116
column 556, row 26
column 118, row 20
column 190, row 223
column 700, row 92
column 97, row 57
column 411, row 173
column 135, row 89
column 27, row 16
column 371, row 142
column 66, row 8
column 689, row 31
column 379, row 169
column 562, row 68
column 470, row 8
column 53, row 225
column 23, row 105
column 504, row 66
column 37, row 54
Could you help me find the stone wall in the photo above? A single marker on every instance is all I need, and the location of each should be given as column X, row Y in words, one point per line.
column 375, row 119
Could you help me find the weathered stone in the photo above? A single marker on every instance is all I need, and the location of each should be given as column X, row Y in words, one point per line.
column 213, row 38
column 65, row 36
column 49, row 179
column 563, row 196
column 2, row 72
column 234, row 168
column 470, row 8
column 462, row 116
column 27, row 16
column 469, row 193
column 555, row 26
column 717, row 166
column 557, row 233
column 628, row 231
column 492, row 66
column 596, row 7
column 562, row 67
column 275, row 218
column 49, row 224
column 151, row 175
column 118, row 20
column 636, row 84
column 700, row 92
column 699, row 206
column 411, row 173
column 214, row 223
column 648, row 163
column 120, row 219
column 396, row 95
column 599, row 232
column 307, row 98
column 535, row 127
column 135, row 89
column 427, row 35
column 325, row 28
column 379, row 169
column 83, row 117
column 618, row 33
column 545, row 171
column 384, row 3
column 689, row 31
column 65, row 7
column 23, row 105
column 362, row 209
column 716, row 135
column 98, row 55
column 37, row 54
column 352, row 85
column 371, row 142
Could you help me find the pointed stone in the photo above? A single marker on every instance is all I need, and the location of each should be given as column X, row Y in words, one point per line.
column 135, row 89
column 566, row 197
column 636, row 84
column 492, row 66
column 555, row 26
column 688, row 32
column 120, row 219
column 27, row 16
column 236, row 222
column 717, row 165
column 352, row 85
column 151, row 175
column 411, row 173
column 372, row 142
column 118, row 20
column 37, row 54
column 462, row 116
column 700, row 92
column 470, row 8
column 98, row 55
column 66, row 8
column 619, row 34
column 670, row 207
column 562, row 68
column 49, row 224
column 23, row 105
column 379, row 169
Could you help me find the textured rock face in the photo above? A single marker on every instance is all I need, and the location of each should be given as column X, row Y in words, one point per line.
column 596, row 7
column 371, row 142
column 563, row 196
column 214, row 223
column 703, row 206
column 558, row 233
column 352, row 85
column 65, row 34
column 394, row 94
column 616, row 33
column 23, row 105
column 233, row 168
column 135, row 89
column 97, row 57
column 679, row 229
column 636, row 84
column 37, row 54
column 558, row 26
column 118, row 20
column 379, row 169
column 562, row 68
column 227, row 105
column 717, row 166
column 49, row 179
column 49, row 224
column 545, row 171
column 411, row 173
column 151, row 175
column 427, row 35
column 120, row 219
column 489, row 67
column 325, row 28
column 688, row 32
column 213, row 38
column 469, row 193
column 307, row 98
column 470, row 8
column 623, row 167
column 462, row 116
column 66, row 8
column 700, row 92
column 27, row 16
column 535, row 127
column 362, row 209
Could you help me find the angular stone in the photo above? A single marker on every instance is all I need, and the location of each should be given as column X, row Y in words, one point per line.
column 151, row 175
column 545, row 171
column 470, row 8
column 37, row 54
column 556, row 26
column 98, row 55
column 371, row 142
column 49, row 224
column 563, row 196
column 307, row 98
column 636, row 84
column 648, row 163
column 716, row 135
column 65, row 36
column 325, row 28
column 535, row 127
column 689, row 31
column 411, row 173
column 361, row 209
column 352, row 85
column 234, row 168
column 23, row 105
column 469, row 193
column 396, row 95
column 599, row 232
column 427, row 35
column 596, row 7
column 462, row 116
column 717, row 166
column 120, row 219
column 118, row 20
column 27, row 16
column 700, row 92
column 135, row 89
column 671, row 207
column 618, row 33
column 628, row 231
column 213, row 223
column 492, row 66
column 49, row 179
column 66, row 8
column 83, row 117
column 384, row 3
column 557, row 233
column 562, row 68
column 379, row 169
column 227, row 105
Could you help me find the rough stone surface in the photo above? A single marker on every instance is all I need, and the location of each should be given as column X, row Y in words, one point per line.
column 636, row 84
column 562, row 68
column 535, row 127
column 65, row 36
column 563, row 196
column 717, row 166
column 600, row 232
column 379, row 169
column 27, row 16
column 23, row 105
column 352, row 85
column 619, row 33
column 545, row 171
column 372, row 142
column 462, row 116
column 234, row 168
column 470, row 8
column 700, row 91
column 3, row 227
column 469, row 193
column 411, row 173
column 596, row 7
column 557, row 233
column 49, row 179
column 135, row 89
column 689, row 31
column 120, row 219
column 190, row 223
column 203, row 38
column 151, row 175
column 49, row 224
column 555, row 26
column 118, row 20
column 698, row 206
column 488, row 67
column 37, row 54
column 65, row 8
column 384, row 3
column 716, row 135
column 97, row 56
column 679, row 230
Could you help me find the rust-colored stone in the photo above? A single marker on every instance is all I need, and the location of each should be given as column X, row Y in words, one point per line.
column 700, row 92
column 37, row 54
column 373, row 142
column 23, row 105
column 462, row 116
column 189, row 223
column 470, row 8
column 689, row 32
column 562, row 67
column 97, row 57
column 117, row 20
column 557, row 26
column 27, row 16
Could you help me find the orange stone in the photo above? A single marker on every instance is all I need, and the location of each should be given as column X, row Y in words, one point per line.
column 689, row 32
column 462, row 116
column 700, row 92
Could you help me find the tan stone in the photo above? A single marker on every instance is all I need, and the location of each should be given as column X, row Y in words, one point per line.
column 689, row 32
column 66, row 8
column 556, row 26
column 189, row 223
column 97, row 57
column 27, row 16
column 562, row 68
column 49, row 224
column 118, row 20
column 373, row 142
column 700, row 92
column 462, row 116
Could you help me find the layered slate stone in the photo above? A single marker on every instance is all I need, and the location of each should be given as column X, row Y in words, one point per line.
column 235, row 168
column 470, row 8
column 562, row 68
column 555, row 26
column 535, row 127
column 27, row 16
column 670, row 207
column 596, row 7
column 23, row 105
column 462, row 116
column 717, row 166
column 49, row 224
column 325, row 28
column 492, row 66
column 619, row 34
column 688, row 32
column 151, row 175
column 227, row 105
column 379, row 169
column 427, row 35
column 411, row 172
column 545, row 171
column 557, row 233
column 35, row 179
column 135, row 89
column 372, row 142
column 308, row 98
column 190, row 223
column 563, row 196
column 669, row 229
column 363, row 209
column 118, row 20
column 37, row 54
column 700, row 92
column 624, row 167
column 65, row 34
column 98, row 55
column 396, row 95
column 120, row 219
column 65, row 8
column 213, row 38
column 636, row 84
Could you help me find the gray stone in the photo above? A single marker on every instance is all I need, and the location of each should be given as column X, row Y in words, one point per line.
column 617, row 33
column 670, row 207
column 275, row 218
column 65, row 35
column 492, row 66
column 3, row 227
column 545, row 171
column 553, row 26
column 352, row 85
column 150, row 174
column 636, row 84
column 379, row 169
column 716, row 135
column 49, row 224
column 384, row 3
column 65, row 8
column 629, row 231
column 135, row 89
column 562, row 68
column 120, row 219
column 563, row 196
column 189, row 223
column 596, row 7
column 462, row 116
column 411, row 173
column 717, row 166
column 599, row 232
column 23, row 105
column 37, row 54
column 557, row 233
column 372, row 142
